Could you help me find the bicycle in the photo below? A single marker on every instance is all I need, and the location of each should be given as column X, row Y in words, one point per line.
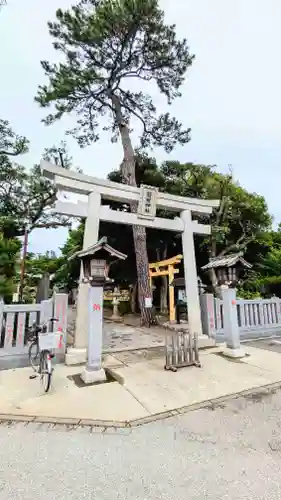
column 39, row 353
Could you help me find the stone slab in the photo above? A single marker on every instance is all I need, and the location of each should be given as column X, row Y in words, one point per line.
column 162, row 391
column 110, row 401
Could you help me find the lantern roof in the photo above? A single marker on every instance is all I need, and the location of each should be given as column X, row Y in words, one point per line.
column 230, row 260
column 100, row 245
column 180, row 282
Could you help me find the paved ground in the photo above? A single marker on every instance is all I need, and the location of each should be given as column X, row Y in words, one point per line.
column 272, row 344
column 230, row 453
column 120, row 336
column 145, row 388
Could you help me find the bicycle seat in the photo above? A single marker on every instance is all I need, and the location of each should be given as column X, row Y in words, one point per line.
column 53, row 319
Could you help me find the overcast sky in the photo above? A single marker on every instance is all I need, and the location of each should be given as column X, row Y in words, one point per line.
column 231, row 99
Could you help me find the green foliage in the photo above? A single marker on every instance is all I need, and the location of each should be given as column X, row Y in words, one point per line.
column 267, row 275
column 245, row 216
column 59, row 155
column 271, row 262
column 248, row 294
column 106, row 45
column 241, row 217
column 124, row 307
column 11, row 144
column 68, row 271
column 35, row 267
column 9, row 254
column 26, row 198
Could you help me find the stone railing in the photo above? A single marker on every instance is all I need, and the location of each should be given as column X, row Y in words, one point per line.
column 255, row 318
column 16, row 318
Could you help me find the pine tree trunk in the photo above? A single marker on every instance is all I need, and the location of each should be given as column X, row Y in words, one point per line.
column 163, row 295
column 214, row 281
column 164, row 284
column 134, row 298
column 128, row 170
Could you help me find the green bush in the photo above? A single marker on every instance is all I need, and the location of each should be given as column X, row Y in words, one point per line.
column 107, row 304
column 248, row 295
column 124, row 307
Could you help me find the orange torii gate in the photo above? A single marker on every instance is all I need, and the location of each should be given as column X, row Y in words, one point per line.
column 166, row 268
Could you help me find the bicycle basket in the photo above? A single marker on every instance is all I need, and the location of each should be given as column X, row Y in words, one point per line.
column 50, row 340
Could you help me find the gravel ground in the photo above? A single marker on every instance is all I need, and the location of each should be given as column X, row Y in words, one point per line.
column 229, row 452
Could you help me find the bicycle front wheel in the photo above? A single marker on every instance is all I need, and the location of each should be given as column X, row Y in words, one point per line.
column 46, row 370
column 33, row 355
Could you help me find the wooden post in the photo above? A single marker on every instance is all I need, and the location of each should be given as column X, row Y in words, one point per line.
column 171, row 292
column 166, row 268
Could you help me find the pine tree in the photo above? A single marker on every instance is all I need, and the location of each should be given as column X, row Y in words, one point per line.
column 107, row 46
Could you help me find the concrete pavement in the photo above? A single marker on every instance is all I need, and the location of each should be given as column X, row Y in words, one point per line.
column 146, row 390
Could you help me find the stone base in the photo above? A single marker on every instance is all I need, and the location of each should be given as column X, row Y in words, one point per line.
column 234, row 353
column 92, row 376
column 116, row 319
column 75, row 356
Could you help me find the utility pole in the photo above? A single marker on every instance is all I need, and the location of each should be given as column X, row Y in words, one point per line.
column 23, row 260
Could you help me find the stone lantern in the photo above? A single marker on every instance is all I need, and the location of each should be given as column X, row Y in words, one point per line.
column 96, row 261
column 228, row 269
column 116, row 300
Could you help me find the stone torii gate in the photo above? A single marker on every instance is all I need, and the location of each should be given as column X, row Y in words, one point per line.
column 148, row 199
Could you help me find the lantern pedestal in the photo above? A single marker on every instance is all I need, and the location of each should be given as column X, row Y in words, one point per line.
column 95, row 261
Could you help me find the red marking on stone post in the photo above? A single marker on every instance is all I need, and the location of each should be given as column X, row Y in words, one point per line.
column 60, row 342
column 233, row 302
column 96, row 307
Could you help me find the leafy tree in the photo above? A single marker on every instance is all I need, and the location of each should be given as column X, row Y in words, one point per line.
column 11, row 144
column 68, row 272
column 107, row 44
column 26, row 198
column 9, row 256
column 36, row 266
column 245, row 223
column 241, row 218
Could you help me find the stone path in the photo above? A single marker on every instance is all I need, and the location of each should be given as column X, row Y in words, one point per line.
column 121, row 337
column 140, row 355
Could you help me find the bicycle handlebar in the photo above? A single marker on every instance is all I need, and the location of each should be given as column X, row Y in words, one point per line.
column 35, row 328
